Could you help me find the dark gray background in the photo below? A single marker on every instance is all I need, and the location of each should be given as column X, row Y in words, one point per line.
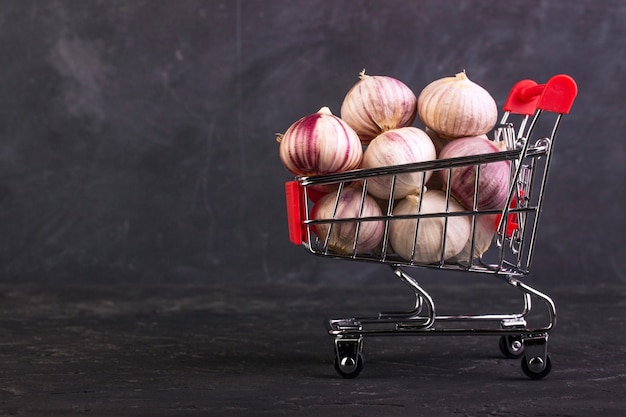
column 137, row 137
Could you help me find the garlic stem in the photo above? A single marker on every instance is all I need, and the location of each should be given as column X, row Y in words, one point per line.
column 325, row 110
column 461, row 76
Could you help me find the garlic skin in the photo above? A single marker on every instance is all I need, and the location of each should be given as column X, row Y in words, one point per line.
column 429, row 239
column 320, row 143
column 485, row 227
column 493, row 184
column 435, row 183
column 315, row 192
column 456, row 107
column 404, row 145
column 378, row 103
column 342, row 234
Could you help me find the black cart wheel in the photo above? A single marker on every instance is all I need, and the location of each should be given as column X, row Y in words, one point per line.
column 512, row 346
column 536, row 363
column 348, row 367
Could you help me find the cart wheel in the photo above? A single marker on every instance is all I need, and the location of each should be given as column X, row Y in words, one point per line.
column 347, row 367
column 534, row 367
column 512, row 346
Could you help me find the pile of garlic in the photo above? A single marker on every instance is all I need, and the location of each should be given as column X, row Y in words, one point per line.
column 375, row 129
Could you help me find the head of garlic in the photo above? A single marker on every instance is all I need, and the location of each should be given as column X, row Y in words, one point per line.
column 423, row 241
column 320, row 143
column 492, row 189
column 346, row 204
column 483, row 232
column 404, row 145
column 377, row 103
column 455, row 107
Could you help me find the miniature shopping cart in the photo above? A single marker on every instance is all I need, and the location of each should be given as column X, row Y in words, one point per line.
column 530, row 109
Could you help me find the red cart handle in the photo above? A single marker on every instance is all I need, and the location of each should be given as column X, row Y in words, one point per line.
column 556, row 96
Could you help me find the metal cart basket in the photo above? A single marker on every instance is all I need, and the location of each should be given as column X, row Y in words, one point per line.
column 526, row 133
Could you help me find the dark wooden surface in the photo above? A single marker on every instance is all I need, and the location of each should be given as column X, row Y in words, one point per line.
column 263, row 350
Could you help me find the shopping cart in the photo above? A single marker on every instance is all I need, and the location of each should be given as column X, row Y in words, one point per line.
column 530, row 109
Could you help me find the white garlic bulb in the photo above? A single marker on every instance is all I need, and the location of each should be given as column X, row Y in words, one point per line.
column 404, row 145
column 430, row 236
column 455, row 107
column 485, row 227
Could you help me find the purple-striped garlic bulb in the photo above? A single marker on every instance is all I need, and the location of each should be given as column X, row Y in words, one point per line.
column 342, row 234
column 377, row 103
column 493, row 183
column 404, row 145
column 320, row 143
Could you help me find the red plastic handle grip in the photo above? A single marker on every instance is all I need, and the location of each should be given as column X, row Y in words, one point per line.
column 519, row 102
column 556, row 96
column 559, row 94
column 295, row 210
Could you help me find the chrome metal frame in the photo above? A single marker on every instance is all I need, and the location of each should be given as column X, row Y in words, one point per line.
column 529, row 158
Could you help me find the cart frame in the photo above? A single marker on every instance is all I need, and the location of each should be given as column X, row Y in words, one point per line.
column 528, row 153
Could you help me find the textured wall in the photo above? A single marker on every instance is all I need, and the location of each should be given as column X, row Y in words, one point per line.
column 137, row 137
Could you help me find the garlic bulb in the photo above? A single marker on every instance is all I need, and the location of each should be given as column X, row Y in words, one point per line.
column 404, row 145
column 376, row 104
column 435, row 182
column 493, row 183
column 430, row 232
column 320, row 143
column 315, row 192
column 342, row 234
column 485, row 227
column 455, row 107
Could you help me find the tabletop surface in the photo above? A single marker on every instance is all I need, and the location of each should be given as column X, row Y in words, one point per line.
column 264, row 350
